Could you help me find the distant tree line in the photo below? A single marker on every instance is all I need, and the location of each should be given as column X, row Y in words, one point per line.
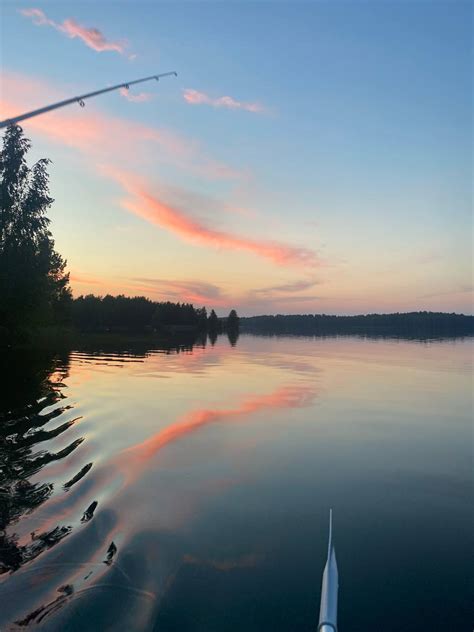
column 140, row 314
column 412, row 324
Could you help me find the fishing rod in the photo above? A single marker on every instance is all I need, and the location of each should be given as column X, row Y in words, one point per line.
column 80, row 99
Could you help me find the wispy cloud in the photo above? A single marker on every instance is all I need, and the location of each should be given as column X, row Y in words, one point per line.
column 37, row 16
column 84, row 279
column 140, row 97
column 144, row 203
column 179, row 290
column 198, row 292
column 92, row 37
column 200, row 98
column 292, row 286
column 201, row 292
column 101, row 139
column 102, row 136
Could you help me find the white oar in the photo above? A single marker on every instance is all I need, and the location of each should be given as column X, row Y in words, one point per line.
column 328, row 609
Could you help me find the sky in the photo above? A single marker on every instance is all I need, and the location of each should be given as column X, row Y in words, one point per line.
column 310, row 157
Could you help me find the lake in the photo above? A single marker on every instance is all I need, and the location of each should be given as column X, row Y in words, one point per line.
column 188, row 488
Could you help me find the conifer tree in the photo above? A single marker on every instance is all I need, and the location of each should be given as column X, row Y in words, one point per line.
column 34, row 286
column 233, row 320
column 213, row 322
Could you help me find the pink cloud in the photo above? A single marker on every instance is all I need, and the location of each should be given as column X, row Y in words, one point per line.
column 92, row 37
column 141, row 97
column 201, row 292
column 200, row 98
column 84, row 280
column 180, row 290
column 37, row 16
column 145, row 204
column 189, row 291
column 292, row 286
column 103, row 136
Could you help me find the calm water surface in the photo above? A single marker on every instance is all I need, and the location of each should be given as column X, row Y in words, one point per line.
column 149, row 489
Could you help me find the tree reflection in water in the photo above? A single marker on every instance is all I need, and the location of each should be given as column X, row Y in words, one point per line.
column 32, row 402
column 31, row 383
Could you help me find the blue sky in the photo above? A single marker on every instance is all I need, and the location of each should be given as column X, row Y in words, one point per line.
column 359, row 152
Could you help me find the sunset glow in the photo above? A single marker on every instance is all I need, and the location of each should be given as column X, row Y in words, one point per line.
column 303, row 180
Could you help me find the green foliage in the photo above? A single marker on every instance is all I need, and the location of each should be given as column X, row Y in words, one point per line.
column 34, row 287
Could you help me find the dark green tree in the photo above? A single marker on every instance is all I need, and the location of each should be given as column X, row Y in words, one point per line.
column 201, row 314
column 233, row 321
column 213, row 322
column 34, row 286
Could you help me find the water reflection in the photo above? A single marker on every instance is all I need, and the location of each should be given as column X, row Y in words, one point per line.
column 38, row 615
column 30, row 401
column 32, row 407
column 30, row 388
column 233, row 335
column 186, row 486
column 213, row 337
column 134, row 460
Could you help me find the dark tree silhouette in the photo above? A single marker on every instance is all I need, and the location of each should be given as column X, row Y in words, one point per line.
column 135, row 314
column 213, row 323
column 233, row 335
column 233, row 321
column 411, row 325
column 34, row 287
column 202, row 318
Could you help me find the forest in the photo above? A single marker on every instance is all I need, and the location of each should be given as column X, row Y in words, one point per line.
column 412, row 324
column 34, row 283
column 121, row 314
column 35, row 290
